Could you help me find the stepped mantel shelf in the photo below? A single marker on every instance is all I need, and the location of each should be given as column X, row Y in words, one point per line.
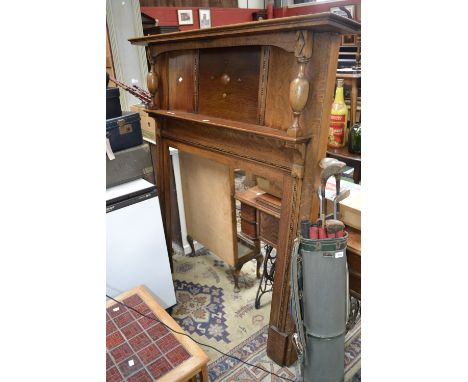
column 254, row 96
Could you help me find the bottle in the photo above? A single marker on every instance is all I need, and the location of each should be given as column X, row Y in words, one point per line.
column 354, row 139
column 337, row 133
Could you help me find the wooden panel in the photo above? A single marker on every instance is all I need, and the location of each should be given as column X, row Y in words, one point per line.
column 248, row 212
column 273, row 153
column 229, row 80
column 323, row 67
column 269, row 227
column 208, row 204
column 282, row 70
column 248, row 215
column 181, row 80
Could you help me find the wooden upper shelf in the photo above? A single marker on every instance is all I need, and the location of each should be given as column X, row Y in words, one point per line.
column 321, row 22
column 229, row 124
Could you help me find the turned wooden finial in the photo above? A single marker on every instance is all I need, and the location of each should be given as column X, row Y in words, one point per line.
column 299, row 87
column 152, row 82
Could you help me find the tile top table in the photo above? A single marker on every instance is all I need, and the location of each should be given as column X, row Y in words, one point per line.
column 140, row 349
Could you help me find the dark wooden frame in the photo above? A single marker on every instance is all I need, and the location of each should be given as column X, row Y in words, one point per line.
column 286, row 143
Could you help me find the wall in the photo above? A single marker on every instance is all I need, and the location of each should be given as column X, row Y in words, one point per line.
column 190, row 3
column 219, row 16
column 252, row 3
column 123, row 22
column 316, row 8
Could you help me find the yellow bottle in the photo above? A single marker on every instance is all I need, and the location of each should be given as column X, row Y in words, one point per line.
column 337, row 132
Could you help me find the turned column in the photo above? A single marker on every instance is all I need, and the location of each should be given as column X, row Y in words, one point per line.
column 299, row 87
column 152, row 82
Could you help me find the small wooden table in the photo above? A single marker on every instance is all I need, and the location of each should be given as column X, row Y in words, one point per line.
column 140, row 349
column 352, row 160
column 351, row 79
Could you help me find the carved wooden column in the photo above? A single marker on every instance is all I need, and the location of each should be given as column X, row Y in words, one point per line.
column 279, row 346
column 299, row 87
column 152, row 81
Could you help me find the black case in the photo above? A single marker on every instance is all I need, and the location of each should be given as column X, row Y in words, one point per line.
column 113, row 108
column 125, row 131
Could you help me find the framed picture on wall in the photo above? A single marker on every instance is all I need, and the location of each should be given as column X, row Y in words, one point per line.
column 345, row 11
column 205, row 18
column 185, row 16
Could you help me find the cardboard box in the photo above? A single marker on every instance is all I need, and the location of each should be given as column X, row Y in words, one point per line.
column 350, row 208
column 148, row 124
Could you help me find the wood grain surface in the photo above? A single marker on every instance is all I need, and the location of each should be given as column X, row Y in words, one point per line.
column 208, row 192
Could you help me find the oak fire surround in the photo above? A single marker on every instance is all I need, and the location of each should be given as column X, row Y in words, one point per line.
column 255, row 96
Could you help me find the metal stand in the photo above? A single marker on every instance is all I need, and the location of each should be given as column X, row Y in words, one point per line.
column 266, row 282
column 354, row 313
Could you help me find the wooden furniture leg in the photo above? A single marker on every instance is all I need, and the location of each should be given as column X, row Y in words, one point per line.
column 357, row 173
column 279, row 345
column 259, row 259
column 192, row 245
column 235, row 274
column 204, row 375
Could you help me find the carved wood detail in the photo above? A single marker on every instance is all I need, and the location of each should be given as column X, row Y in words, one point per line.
column 299, row 87
column 152, row 81
column 262, row 88
column 196, row 63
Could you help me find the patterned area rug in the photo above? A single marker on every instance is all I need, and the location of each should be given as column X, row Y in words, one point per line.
column 253, row 351
column 207, row 307
column 209, row 310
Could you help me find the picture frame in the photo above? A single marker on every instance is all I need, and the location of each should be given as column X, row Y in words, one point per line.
column 348, row 11
column 185, row 16
column 204, row 16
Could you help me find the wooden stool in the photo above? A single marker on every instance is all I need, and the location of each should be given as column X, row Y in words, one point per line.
column 141, row 349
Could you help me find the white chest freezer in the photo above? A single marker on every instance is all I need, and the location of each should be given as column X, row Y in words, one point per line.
column 136, row 247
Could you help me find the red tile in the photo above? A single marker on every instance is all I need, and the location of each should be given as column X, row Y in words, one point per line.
column 141, row 308
column 121, row 309
column 167, row 343
column 133, row 300
column 131, row 330
column 121, row 352
column 148, row 322
column 123, row 319
column 113, row 375
column 157, row 331
column 159, row 367
column 141, row 376
column 149, row 354
column 128, row 370
column 139, row 341
column 109, row 362
column 110, row 327
column 114, row 339
column 107, row 317
column 177, row 356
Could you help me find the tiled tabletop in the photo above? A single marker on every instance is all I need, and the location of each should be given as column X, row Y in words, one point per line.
column 140, row 349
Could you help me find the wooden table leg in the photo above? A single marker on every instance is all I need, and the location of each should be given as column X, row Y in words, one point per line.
column 357, row 172
column 204, row 374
